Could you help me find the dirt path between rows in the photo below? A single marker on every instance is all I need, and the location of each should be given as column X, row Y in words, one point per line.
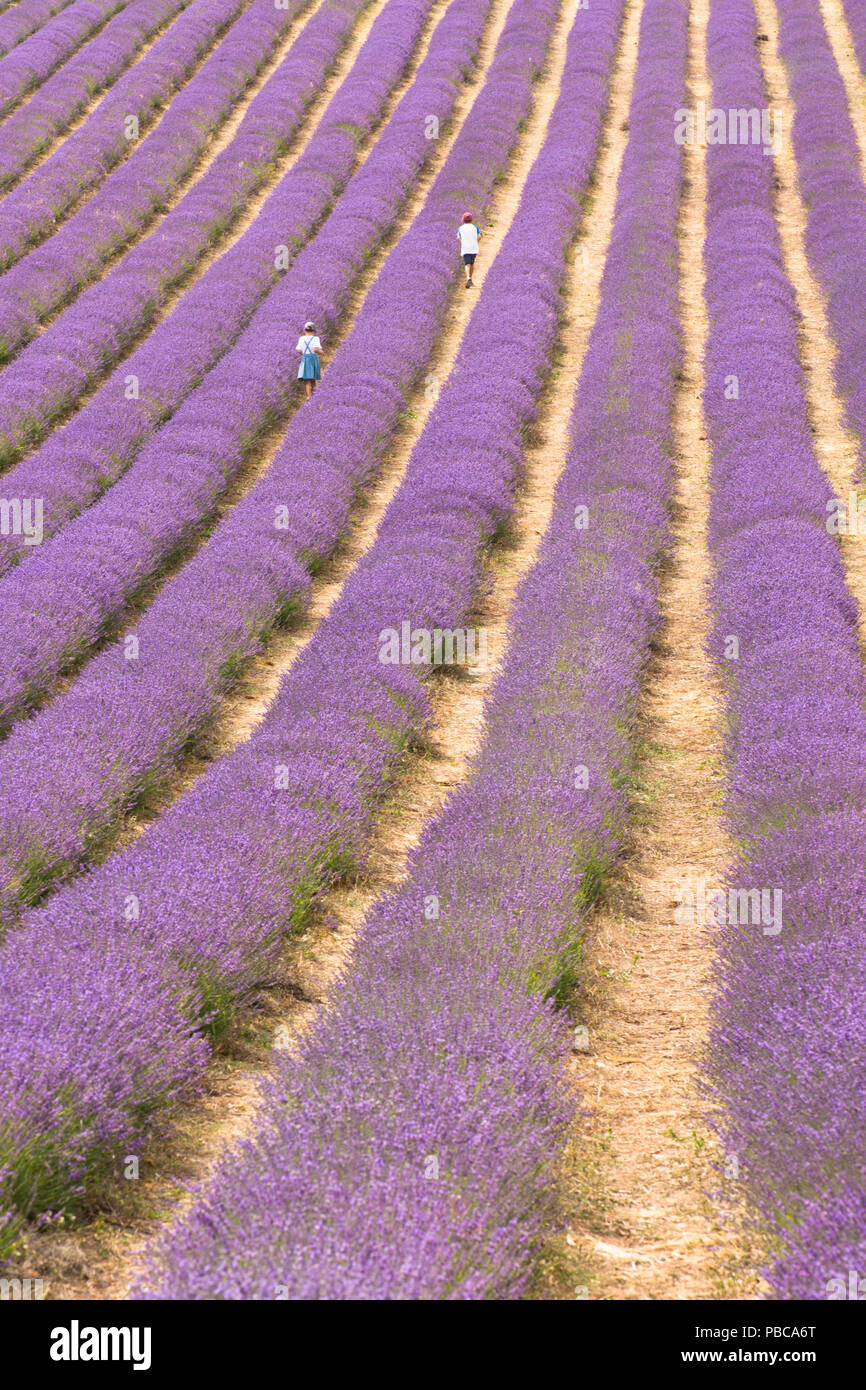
column 638, row 1221
column 836, row 446
column 96, row 1261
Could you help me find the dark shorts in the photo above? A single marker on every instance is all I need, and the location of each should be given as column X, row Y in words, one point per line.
column 469, row 258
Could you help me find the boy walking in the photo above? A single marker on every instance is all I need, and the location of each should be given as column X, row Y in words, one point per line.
column 468, row 234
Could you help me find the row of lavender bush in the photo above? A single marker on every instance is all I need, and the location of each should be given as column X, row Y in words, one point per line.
column 65, row 95
column 831, row 179
column 130, row 196
column 786, row 1059
column 79, row 1087
column 25, row 19
column 409, row 1149
column 37, row 57
column 330, row 262
column 82, row 459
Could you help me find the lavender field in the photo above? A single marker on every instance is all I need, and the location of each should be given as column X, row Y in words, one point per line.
column 433, row 779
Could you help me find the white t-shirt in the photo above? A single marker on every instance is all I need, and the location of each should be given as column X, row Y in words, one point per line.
column 468, row 234
column 309, row 340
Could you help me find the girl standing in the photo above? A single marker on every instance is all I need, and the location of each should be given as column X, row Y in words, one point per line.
column 310, row 370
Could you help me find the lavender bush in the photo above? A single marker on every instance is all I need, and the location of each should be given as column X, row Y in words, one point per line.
column 268, row 850
column 408, row 1150
column 786, row 1056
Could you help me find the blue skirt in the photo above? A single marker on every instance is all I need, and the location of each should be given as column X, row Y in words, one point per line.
column 310, row 368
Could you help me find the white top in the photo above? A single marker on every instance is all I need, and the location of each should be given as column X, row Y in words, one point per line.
column 309, row 340
column 468, row 234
